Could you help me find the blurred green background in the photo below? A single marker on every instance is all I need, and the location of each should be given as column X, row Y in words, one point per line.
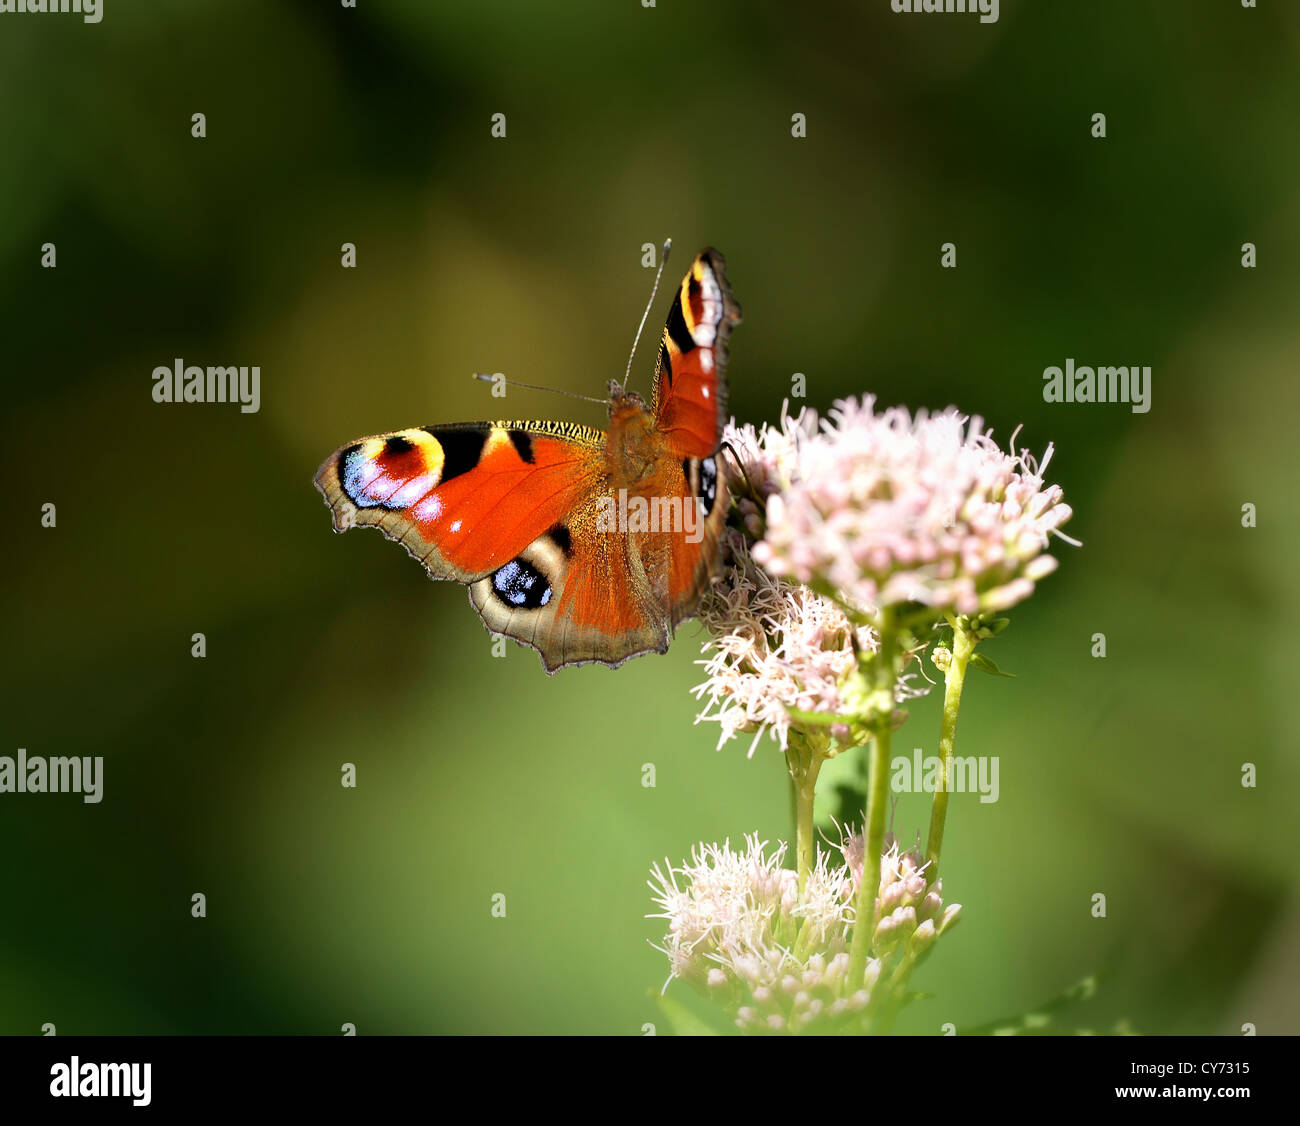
column 478, row 775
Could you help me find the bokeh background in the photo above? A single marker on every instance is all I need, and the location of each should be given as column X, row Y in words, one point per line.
column 478, row 775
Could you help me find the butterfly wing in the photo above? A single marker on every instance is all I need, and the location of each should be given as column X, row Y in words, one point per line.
column 577, row 593
column 463, row 499
column 690, row 412
column 690, row 388
column 510, row 509
column 514, row 509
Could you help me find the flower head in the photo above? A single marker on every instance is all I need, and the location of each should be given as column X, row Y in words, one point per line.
column 909, row 906
column 890, row 507
column 774, row 646
column 740, row 932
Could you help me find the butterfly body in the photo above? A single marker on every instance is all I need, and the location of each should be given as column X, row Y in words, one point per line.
column 587, row 545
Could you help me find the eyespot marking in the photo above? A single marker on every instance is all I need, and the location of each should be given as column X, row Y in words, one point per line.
column 708, row 491
column 521, row 586
column 361, row 476
column 702, row 480
column 694, row 300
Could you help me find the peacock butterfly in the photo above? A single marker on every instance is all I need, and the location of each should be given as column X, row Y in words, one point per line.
column 586, row 545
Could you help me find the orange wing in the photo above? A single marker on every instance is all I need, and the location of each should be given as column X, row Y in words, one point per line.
column 690, row 411
column 511, row 509
column 690, row 389
column 463, row 499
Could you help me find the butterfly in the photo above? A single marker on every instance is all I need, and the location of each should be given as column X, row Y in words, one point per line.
column 587, row 545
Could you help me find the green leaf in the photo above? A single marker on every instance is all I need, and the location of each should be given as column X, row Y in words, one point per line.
column 1049, row 1018
column 986, row 664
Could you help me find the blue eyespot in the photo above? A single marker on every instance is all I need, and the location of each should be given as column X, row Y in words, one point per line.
column 521, row 585
column 708, row 484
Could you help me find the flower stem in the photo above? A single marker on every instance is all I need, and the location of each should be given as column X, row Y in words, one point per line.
column 883, row 676
column 805, row 759
column 963, row 645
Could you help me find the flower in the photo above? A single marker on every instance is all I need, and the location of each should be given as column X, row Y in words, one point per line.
column 737, row 926
column 768, row 459
column 909, row 907
column 888, row 508
column 775, row 646
column 740, row 932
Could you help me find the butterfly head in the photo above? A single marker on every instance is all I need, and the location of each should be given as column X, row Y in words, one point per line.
column 621, row 399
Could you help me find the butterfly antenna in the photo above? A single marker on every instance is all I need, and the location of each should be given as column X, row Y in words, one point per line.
column 654, row 289
column 489, row 378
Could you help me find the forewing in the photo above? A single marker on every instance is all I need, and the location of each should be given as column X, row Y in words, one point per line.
column 464, row 499
column 690, row 390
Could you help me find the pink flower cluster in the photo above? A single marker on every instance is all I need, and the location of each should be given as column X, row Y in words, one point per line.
column 774, row 645
column 908, row 904
column 740, row 932
column 890, row 507
column 733, row 919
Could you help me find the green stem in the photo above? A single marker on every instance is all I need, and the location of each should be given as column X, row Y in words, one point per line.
column 883, row 676
column 893, row 988
column 805, row 761
column 963, row 645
